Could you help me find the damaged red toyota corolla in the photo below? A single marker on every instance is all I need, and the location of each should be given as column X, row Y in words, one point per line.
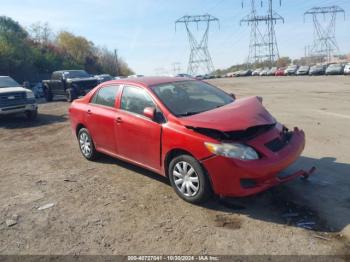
column 203, row 139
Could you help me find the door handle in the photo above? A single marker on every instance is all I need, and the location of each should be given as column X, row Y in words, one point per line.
column 89, row 112
column 119, row 120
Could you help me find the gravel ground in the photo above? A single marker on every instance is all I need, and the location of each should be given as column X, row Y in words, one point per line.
column 111, row 207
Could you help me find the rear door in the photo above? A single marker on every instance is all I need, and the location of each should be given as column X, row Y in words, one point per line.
column 101, row 117
column 138, row 138
column 56, row 83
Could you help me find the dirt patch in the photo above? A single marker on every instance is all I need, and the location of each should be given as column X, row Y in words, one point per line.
column 228, row 221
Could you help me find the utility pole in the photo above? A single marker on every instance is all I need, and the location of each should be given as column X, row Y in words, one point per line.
column 263, row 43
column 324, row 44
column 200, row 60
column 116, row 62
column 176, row 68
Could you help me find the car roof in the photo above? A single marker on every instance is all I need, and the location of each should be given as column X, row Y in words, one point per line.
column 150, row 80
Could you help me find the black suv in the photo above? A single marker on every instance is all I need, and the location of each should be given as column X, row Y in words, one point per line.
column 70, row 83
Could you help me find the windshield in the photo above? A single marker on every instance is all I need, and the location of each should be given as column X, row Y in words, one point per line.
column 334, row 66
column 8, row 82
column 191, row 97
column 76, row 74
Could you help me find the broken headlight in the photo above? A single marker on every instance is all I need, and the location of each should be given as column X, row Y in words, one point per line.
column 234, row 150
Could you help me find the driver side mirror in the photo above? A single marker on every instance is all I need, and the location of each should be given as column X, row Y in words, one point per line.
column 149, row 112
column 233, row 96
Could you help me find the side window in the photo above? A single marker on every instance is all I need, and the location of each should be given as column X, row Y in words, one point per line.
column 56, row 76
column 106, row 96
column 135, row 100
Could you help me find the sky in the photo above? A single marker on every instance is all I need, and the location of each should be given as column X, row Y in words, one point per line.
column 143, row 31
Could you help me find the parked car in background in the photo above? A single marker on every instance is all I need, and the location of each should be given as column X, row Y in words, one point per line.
column 272, row 71
column 291, row 70
column 199, row 77
column 70, row 83
column 119, row 77
column 335, row 69
column 303, row 70
column 184, row 75
column 230, row 74
column 317, row 70
column 264, row 71
column 280, row 71
column 135, row 76
column 38, row 90
column 236, row 73
column 208, row 76
column 15, row 99
column 189, row 131
column 347, row 69
column 103, row 78
column 246, row 72
column 256, row 72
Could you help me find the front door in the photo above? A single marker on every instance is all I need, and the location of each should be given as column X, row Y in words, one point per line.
column 138, row 138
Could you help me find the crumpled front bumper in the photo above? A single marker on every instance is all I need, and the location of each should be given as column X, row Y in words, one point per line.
column 231, row 177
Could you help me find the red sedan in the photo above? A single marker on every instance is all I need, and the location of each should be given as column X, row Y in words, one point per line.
column 280, row 72
column 203, row 139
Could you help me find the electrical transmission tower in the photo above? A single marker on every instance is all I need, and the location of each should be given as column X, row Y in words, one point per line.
column 176, row 68
column 200, row 59
column 263, row 43
column 324, row 44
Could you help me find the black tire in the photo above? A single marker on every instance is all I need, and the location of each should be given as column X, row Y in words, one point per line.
column 204, row 191
column 88, row 154
column 48, row 94
column 31, row 115
column 71, row 95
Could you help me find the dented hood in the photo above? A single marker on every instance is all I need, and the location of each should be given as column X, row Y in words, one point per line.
column 239, row 115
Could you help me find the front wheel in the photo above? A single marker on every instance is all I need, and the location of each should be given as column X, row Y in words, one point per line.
column 189, row 180
column 31, row 115
column 86, row 144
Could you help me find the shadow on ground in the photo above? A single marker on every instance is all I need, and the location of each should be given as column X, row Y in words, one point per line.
column 20, row 121
column 277, row 205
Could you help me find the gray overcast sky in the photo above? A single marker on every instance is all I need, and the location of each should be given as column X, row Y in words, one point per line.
column 143, row 31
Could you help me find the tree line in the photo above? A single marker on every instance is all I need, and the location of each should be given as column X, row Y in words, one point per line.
column 32, row 54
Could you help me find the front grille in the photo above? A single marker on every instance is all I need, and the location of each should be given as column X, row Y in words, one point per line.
column 12, row 99
column 279, row 143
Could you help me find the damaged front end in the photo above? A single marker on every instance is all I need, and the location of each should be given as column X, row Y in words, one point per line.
column 277, row 148
column 240, row 135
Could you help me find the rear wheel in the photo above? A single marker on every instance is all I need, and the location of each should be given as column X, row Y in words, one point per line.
column 48, row 94
column 86, row 144
column 189, row 180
